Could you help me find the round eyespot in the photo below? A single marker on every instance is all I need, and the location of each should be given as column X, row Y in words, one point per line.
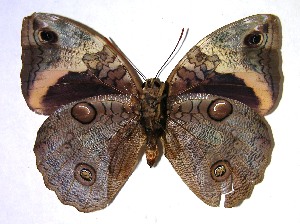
column 84, row 112
column 48, row 36
column 254, row 39
column 85, row 174
column 219, row 109
column 221, row 170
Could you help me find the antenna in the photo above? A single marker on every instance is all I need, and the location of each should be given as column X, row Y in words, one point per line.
column 174, row 52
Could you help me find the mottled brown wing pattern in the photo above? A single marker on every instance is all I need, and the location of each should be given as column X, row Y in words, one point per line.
column 240, row 61
column 87, row 150
column 207, row 114
column 217, row 146
column 65, row 61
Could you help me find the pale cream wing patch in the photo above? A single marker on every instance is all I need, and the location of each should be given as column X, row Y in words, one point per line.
column 241, row 61
column 59, row 54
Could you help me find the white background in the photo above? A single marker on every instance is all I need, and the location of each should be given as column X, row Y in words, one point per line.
column 147, row 32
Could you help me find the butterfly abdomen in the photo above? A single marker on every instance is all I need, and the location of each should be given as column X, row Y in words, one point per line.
column 153, row 116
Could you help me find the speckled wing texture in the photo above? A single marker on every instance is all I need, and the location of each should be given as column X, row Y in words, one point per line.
column 208, row 114
column 240, row 61
column 89, row 146
column 217, row 153
column 216, row 138
column 88, row 160
column 65, row 61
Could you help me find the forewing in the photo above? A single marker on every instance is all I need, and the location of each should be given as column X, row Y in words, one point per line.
column 240, row 61
column 65, row 61
column 87, row 150
column 217, row 146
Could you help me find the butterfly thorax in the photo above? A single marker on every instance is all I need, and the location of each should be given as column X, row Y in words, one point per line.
column 153, row 115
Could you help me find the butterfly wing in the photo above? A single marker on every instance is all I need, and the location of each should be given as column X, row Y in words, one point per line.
column 87, row 150
column 240, row 61
column 65, row 61
column 217, row 146
column 89, row 147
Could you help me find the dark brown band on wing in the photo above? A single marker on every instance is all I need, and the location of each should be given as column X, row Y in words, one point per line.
column 72, row 87
column 271, row 61
column 228, row 85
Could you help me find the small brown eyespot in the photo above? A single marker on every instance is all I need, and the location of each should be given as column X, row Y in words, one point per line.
column 220, row 170
column 85, row 174
column 48, row 36
column 219, row 109
column 84, row 112
column 254, row 39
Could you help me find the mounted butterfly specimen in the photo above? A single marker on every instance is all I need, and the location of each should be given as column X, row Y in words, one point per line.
column 208, row 115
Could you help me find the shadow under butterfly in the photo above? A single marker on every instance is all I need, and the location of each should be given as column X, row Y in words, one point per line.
column 208, row 115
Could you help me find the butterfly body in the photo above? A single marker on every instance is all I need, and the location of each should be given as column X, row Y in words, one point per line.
column 153, row 116
column 207, row 115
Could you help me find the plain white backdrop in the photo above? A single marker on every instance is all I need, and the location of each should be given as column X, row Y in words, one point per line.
column 146, row 31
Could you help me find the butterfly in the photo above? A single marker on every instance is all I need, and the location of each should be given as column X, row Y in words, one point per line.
column 208, row 115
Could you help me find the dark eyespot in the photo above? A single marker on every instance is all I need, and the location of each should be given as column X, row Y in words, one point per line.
column 85, row 174
column 254, row 39
column 48, row 36
column 84, row 112
column 219, row 109
column 221, row 170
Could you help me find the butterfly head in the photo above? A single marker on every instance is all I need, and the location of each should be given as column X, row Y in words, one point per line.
column 152, row 85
